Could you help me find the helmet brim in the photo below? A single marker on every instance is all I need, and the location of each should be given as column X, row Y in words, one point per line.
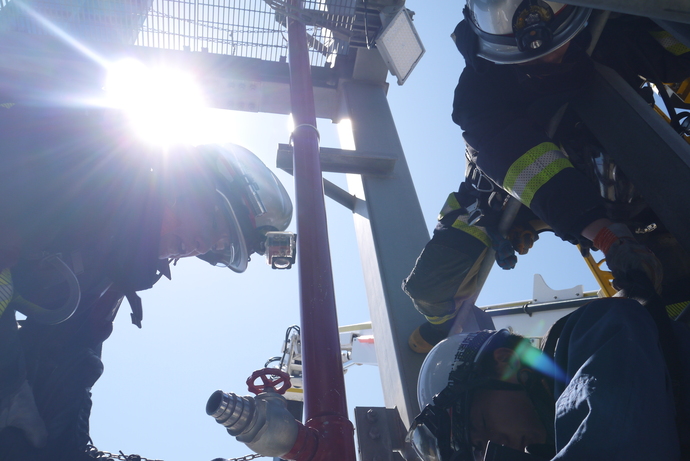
column 510, row 54
column 236, row 257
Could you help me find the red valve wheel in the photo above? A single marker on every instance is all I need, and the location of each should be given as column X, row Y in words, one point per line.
column 272, row 378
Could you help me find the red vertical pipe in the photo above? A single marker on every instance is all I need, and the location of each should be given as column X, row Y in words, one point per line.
column 325, row 405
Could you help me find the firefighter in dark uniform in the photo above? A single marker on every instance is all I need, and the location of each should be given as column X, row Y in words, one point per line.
column 524, row 61
column 90, row 215
column 599, row 391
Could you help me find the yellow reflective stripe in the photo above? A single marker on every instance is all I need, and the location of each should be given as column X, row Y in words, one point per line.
column 440, row 320
column 669, row 42
column 451, row 204
column 674, row 310
column 475, row 231
column 6, row 289
column 534, row 169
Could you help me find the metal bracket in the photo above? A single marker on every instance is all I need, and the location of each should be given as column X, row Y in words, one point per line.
column 543, row 293
column 380, row 433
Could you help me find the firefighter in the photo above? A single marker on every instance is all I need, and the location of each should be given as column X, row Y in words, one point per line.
column 524, row 61
column 90, row 216
column 605, row 394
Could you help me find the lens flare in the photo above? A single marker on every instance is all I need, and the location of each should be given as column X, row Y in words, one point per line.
column 539, row 361
column 165, row 106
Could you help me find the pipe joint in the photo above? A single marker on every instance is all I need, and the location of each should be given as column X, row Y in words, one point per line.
column 263, row 423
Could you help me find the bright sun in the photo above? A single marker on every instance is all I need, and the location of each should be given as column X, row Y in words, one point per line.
column 165, row 106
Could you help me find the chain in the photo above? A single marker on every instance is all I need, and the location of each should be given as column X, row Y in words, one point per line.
column 107, row 456
column 95, row 453
column 245, row 457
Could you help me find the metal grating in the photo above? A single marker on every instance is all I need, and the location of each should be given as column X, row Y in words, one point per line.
column 246, row 28
column 116, row 21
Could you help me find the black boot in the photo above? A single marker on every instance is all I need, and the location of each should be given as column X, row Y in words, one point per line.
column 427, row 335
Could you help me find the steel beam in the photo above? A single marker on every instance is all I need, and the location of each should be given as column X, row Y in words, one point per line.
column 41, row 66
column 391, row 233
column 341, row 161
column 670, row 10
column 648, row 150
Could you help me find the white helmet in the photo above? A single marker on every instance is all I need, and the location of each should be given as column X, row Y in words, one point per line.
column 449, row 374
column 254, row 199
column 515, row 31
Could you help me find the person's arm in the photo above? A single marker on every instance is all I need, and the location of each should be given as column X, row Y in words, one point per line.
column 514, row 150
column 616, row 404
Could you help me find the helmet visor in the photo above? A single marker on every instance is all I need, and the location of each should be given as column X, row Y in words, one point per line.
column 234, row 254
column 421, row 444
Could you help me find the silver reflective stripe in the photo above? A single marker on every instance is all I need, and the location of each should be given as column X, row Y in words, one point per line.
column 534, row 169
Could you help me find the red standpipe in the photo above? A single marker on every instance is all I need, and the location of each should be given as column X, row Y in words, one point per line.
column 325, row 405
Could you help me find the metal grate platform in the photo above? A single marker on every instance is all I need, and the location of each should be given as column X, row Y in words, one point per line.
column 245, row 28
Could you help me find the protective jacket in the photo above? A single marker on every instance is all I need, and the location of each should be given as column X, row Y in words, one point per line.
column 74, row 186
column 505, row 112
column 617, row 401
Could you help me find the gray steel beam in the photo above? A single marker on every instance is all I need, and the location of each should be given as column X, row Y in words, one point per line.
column 29, row 63
column 391, row 233
column 341, row 161
column 670, row 10
column 647, row 149
column 335, row 193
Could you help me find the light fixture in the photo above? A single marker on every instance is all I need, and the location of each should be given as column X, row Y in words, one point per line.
column 399, row 43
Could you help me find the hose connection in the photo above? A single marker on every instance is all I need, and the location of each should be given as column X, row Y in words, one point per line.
column 263, row 422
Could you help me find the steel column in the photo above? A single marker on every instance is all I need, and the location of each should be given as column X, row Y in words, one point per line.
column 325, row 406
column 649, row 151
column 670, row 10
column 391, row 233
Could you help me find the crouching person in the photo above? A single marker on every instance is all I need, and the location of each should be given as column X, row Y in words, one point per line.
column 605, row 395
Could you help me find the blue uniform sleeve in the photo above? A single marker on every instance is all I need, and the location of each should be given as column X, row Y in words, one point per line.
column 617, row 403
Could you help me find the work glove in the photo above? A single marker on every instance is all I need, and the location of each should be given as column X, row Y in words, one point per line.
column 505, row 254
column 633, row 265
column 522, row 237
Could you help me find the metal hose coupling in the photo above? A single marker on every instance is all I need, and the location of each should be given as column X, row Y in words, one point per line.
column 263, row 422
column 231, row 410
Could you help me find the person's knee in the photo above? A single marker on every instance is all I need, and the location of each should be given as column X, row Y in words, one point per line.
column 438, row 273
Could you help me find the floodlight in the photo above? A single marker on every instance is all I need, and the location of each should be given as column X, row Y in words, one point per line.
column 399, row 44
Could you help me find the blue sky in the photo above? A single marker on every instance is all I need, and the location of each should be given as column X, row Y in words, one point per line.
column 209, row 328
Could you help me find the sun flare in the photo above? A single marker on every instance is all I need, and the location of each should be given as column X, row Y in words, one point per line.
column 165, row 106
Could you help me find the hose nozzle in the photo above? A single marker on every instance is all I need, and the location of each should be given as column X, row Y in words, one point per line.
column 231, row 410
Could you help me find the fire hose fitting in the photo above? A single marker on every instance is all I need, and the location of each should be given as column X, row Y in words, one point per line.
column 263, row 422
